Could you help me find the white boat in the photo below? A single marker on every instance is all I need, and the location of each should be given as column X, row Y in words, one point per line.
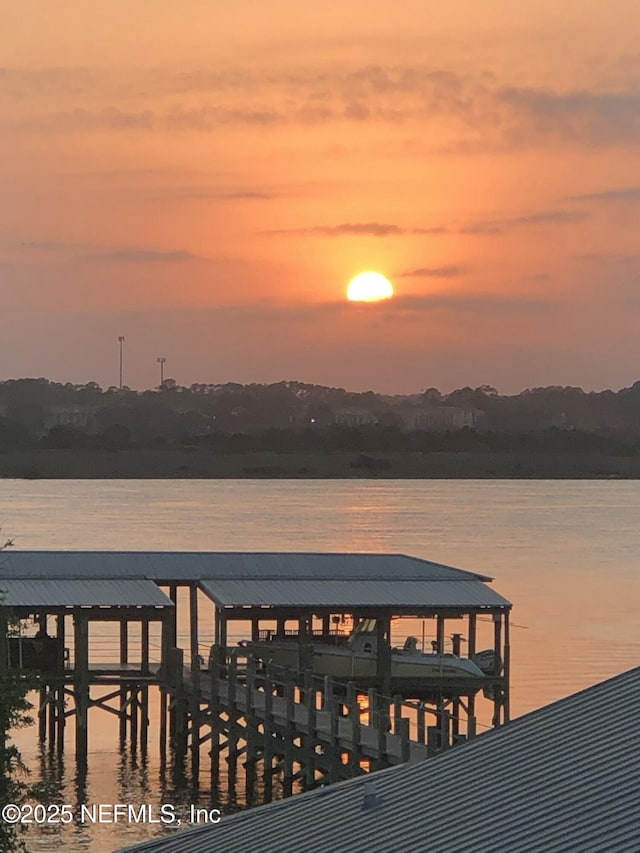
column 414, row 673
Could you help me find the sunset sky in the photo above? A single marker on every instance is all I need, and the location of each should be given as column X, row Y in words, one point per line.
column 205, row 178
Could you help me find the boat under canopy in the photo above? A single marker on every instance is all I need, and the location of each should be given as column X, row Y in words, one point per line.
column 414, row 674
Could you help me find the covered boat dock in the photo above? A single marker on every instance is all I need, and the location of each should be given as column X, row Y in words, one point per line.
column 305, row 598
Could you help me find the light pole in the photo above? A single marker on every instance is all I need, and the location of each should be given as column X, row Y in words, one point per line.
column 121, row 341
column 161, row 360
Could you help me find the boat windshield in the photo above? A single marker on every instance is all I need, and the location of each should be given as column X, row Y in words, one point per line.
column 367, row 626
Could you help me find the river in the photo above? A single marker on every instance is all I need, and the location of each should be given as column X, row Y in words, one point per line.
column 566, row 553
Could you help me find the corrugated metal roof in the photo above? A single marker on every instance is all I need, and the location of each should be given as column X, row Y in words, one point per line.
column 347, row 593
column 59, row 592
column 563, row 778
column 186, row 565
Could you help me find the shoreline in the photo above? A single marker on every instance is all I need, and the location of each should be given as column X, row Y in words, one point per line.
column 197, row 463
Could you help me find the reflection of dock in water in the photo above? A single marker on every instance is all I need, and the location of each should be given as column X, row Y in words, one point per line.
column 240, row 703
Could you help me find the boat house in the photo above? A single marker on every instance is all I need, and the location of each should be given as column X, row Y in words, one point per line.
column 202, row 610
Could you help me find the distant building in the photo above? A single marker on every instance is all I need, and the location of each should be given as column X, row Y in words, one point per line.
column 80, row 417
column 438, row 418
column 354, row 417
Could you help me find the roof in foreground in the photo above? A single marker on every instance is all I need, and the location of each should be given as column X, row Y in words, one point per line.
column 232, row 565
column 59, row 592
column 563, row 778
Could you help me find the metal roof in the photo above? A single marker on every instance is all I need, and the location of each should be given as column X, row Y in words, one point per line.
column 560, row 779
column 41, row 592
column 194, row 565
column 404, row 593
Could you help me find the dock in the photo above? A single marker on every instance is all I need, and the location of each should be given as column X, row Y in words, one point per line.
column 229, row 703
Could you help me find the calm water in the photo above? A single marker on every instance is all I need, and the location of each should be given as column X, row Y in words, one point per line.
column 565, row 553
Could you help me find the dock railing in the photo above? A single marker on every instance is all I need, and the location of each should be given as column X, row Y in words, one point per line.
column 332, row 708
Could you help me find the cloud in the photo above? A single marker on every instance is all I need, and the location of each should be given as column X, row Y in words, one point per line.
column 624, row 194
column 476, row 110
column 371, row 229
column 142, row 256
column 411, row 304
column 545, row 217
column 242, row 194
column 583, row 116
column 41, row 245
column 610, row 259
column 98, row 254
column 208, row 194
column 401, row 307
column 386, row 229
column 478, row 303
column 176, row 119
column 450, row 271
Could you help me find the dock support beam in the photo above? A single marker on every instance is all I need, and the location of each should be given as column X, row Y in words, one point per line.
column 506, row 667
column 60, row 674
column 383, row 657
column 193, row 620
column 497, row 645
column 81, row 686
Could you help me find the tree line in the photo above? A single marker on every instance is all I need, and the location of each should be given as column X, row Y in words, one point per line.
column 294, row 415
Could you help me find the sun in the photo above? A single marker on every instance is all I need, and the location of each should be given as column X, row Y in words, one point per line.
column 369, row 287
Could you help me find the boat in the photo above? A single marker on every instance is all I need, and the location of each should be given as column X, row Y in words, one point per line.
column 414, row 673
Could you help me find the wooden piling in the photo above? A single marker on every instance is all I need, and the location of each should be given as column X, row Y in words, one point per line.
column 134, row 706
column 163, row 728
column 287, row 781
column 251, row 731
column 506, row 674
column 405, row 746
column 42, row 714
column 215, row 722
column 310, row 737
column 195, row 718
column 233, row 734
column 53, row 709
column 268, row 733
column 124, row 699
column 81, row 685
column 497, row 643
column 144, row 689
column 421, row 723
column 354, row 718
column 60, row 695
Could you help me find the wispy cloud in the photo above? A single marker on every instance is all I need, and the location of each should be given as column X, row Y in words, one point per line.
column 142, row 256
column 207, row 194
column 400, row 306
column 624, row 194
column 41, row 245
column 174, row 120
column 477, row 109
column 371, row 229
column 545, row 217
column 486, row 226
column 99, row 254
column 581, row 116
column 609, row 259
column 480, row 303
column 448, row 271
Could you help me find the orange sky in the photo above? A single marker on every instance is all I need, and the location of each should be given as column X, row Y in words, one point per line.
column 205, row 179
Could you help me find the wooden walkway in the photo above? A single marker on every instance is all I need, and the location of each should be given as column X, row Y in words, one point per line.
column 343, row 731
column 308, row 728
